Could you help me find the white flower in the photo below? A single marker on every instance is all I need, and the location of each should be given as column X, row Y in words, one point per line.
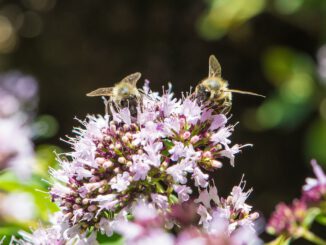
column 120, row 182
column 177, row 151
column 16, row 147
column 179, row 171
column 239, row 197
column 169, row 104
column 106, row 201
column 205, row 217
column 222, row 136
column 320, row 180
column 140, row 167
column 200, row 178
column 183, row 192
column 160, row 200
column 153, row 152
column 230, row 152
column 191, row 111
column 18, row 205
column 218, row 121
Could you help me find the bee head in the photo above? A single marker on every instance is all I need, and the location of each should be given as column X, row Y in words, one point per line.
column 203, row 93
column 213, row 84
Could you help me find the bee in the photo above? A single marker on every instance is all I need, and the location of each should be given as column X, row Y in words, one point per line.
column 214, row 89
column 123, row 94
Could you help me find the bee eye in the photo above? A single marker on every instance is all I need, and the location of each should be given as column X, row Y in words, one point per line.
column 207, row 93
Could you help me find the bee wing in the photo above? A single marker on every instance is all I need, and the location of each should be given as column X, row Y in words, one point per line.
column 132, row 78
column 214, row 67
column 101, row 92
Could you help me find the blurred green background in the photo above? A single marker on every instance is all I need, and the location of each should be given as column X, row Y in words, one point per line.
column 272, row 47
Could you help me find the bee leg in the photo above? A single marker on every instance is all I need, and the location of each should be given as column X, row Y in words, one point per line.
column 106, row 104
column 226, row 108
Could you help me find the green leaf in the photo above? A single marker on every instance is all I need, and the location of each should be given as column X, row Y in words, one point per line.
column 9, row 181
column 35, row 187
column 311, row 215
column 165, row 153
column 321, row 219
column 45, row 156
column 115, row 239
column 8, row 230
column 280, row 240
column 173, row 199
column 168, row 143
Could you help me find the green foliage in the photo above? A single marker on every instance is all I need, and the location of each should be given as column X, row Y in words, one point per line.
column 280, row 240
column 37, row 187
column 115, row 239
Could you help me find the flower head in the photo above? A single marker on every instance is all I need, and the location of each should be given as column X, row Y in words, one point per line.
column 119, row 161
column 287, row 218
column 18, row 100
column 315, row 189
column 150, row 226
column 58, row 233
column 233, row 209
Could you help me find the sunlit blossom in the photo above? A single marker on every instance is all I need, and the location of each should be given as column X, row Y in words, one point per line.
column 120, row 160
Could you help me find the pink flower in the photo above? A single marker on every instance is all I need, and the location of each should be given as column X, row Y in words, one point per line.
column 120, row 182
column 287, row 219
column 233, row 209
column 118, row 161
column 140, row 167
column 191, row 111
column 315, row 189
column 183, row 192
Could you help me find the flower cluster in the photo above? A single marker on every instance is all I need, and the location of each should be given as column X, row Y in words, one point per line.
column 157, row 157
column 17, row 102
column 17, row 206
column 291, row 220
column 148, row 226
column 315, row 189
column 233, row 209
column 286, row 219
column 58, row 233
column 18, row 94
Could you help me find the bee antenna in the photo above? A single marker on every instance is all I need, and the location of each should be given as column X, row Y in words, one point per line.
column 243, row 92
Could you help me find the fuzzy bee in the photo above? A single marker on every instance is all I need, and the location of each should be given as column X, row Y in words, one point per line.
column 214, row 89
column 123, row 94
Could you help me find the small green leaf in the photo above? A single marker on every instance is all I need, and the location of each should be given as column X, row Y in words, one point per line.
column 159, row 187
column 165, row 153
column 311, row 215
column 115, row 239
column 173, row 199
column 280, row 240
column 168, row 143
column 321, row 219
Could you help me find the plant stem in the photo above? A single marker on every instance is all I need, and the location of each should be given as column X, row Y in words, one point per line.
column 308, row 235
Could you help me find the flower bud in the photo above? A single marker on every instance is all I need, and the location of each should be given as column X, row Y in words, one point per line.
column 85, row 201
column 122, row 160
column 186, row 135
column 194, row 139
column 124, row 139
column 100, row 160
column 107, row 164
column 91, row 208
column 216, row 164
column 207, row 154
